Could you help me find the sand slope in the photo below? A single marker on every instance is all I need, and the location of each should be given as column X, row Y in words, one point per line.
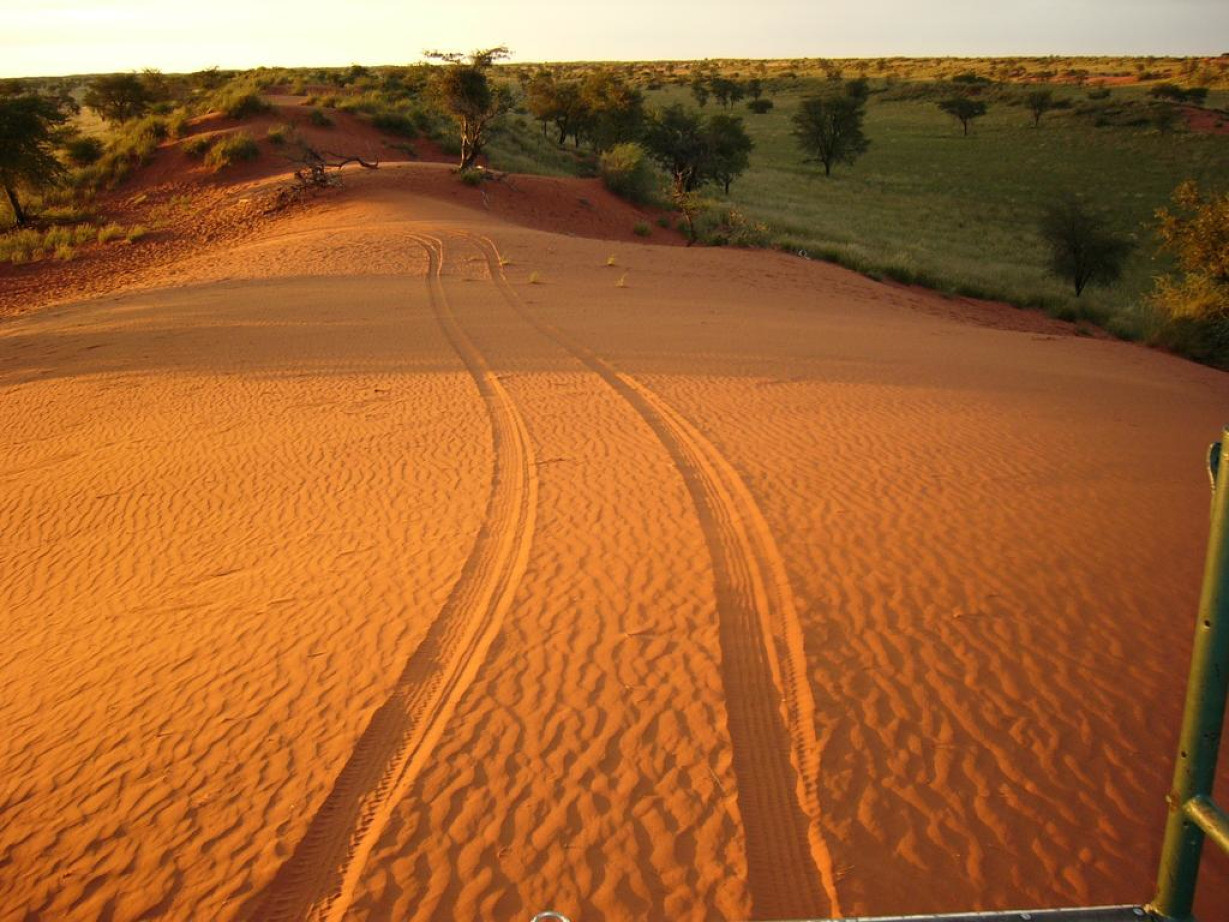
column 353, row 576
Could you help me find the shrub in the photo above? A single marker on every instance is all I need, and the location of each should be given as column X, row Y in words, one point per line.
column 395, row 123
column 196, row 147
column 725, row 225
column 136, row 233
column 663, row 221
column 760, row 106
column 64, row 252
column 471, row 177
column 625, row 171
column 239, row 104
column 177, row 125
column 1196, row 232
column 642, row 229
column 152, row 126
column 319, row 119
column 231, row 149
column 84, row 151
column 277, row 134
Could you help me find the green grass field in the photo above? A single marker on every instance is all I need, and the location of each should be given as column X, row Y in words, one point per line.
column 960, row 214
column 955, row 213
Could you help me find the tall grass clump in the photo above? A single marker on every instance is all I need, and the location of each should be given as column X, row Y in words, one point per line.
column 238, row 103
column 395, row 123
column 232, row 149
column 133, row 146
column 625, row 171
column 197, row 146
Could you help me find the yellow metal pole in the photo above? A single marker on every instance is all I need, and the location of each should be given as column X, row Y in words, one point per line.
column 1190, row 808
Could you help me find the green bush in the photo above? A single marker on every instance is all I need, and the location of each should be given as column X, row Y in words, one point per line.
column 197, row 146
column 760, row 106
column 725, row 225
column 277, row 134
column 472, row 177
column 642, row 229
column 84, row 151
column 239, row 104
column 177, row 124
column 625, row 171
column 319, row 119
column 232, row 149
column 1204, row 339
column 129, row 150
column 395, row 123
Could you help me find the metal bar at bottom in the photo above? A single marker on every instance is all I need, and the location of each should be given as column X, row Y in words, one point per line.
column 1080, row 914
column 1203, row 716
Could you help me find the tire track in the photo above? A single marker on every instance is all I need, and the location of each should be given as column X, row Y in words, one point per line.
column 318, row 880
column 768, row 697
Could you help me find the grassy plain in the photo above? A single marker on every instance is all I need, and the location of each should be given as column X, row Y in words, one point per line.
column 959, row 214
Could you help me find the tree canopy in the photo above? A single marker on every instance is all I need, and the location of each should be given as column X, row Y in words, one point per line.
column 696, row 150
column 1082, row 249
column 465, row 91
column 118, row 97
column 28, row 126
column 829, row 127
column 1196, row 232
column 964, row 109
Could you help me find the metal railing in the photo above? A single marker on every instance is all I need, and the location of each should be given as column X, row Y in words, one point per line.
column 1192, row 814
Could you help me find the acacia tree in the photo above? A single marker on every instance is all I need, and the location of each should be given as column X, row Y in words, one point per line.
column 675, row 138
column 613, row 111
column 464, row 89
column 699, row 89
column 118, row 97
column 964, row 109
column 829, row 128
column 557, row 102
column 1039, row 102
column 729, row 149
column 1082, row 249
column 696, row 150
column 27, row 142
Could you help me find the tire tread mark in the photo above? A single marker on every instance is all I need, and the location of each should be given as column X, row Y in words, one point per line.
column 776, row 752
column 319, row 879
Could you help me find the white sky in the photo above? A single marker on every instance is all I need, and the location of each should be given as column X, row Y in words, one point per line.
column 50, row 37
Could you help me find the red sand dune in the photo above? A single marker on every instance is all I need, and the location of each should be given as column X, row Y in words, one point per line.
column 394, row 560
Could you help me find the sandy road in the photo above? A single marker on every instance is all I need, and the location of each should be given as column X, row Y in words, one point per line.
column 368, row 580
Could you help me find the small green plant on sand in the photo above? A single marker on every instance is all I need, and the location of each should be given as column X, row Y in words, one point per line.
column 642, row 229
